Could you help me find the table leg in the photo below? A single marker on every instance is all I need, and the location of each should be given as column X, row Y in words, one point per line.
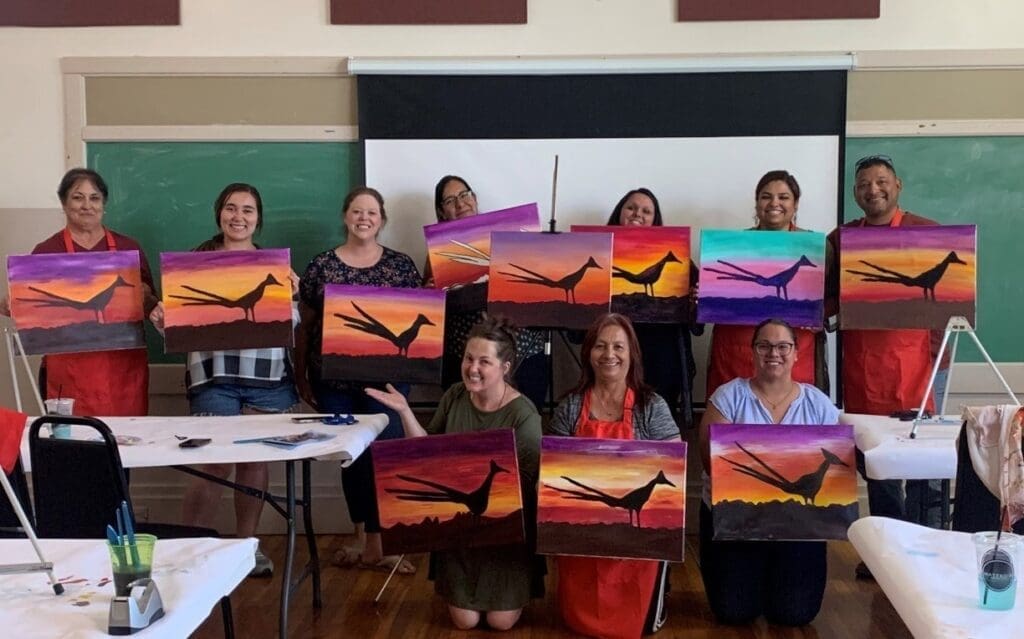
column 307, row 520
column 289, row 559
column 944, row 513
column 229, row 620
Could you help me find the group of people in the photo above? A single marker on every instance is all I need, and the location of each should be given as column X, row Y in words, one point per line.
column 635, row 383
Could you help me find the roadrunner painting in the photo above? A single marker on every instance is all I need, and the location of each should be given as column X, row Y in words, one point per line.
column 567, row 283
column 371, row 326
column 474, row 501
column 95, row 304
column 246, row 303
column 779, row 281
column 925, row 280
column 454, row 490
column 648, row 277
column 632, row 502
column 805, row 486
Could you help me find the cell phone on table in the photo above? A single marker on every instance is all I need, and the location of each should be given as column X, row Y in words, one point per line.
column 194, row 442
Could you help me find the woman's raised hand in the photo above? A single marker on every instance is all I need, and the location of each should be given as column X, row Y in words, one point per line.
column 390, row 398
column 157, row 317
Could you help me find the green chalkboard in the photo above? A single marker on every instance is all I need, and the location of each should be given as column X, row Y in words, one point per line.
column 162, row 193
column 967, row 180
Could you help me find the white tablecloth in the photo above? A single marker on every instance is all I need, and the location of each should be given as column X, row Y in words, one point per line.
column 890, row 453
column 930, row 576
column 192, row 575
column 158, row 445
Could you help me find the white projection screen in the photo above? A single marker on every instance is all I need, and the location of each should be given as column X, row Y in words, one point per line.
column 699, row 141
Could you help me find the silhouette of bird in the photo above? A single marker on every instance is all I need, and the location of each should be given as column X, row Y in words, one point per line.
column 97, row 303
column 633, row 501
column 567, row 283
column 805, row 486
column 474, row 501
column 402, row 341
column 649, row 275
column 779, row 281
column 926, row 280
column 246, row 302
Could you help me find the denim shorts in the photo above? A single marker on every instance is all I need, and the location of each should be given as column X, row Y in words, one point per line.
column 236, row 399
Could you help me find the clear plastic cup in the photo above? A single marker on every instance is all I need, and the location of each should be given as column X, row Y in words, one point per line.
column 999, row 563
column 129, row 562
column 64, row 406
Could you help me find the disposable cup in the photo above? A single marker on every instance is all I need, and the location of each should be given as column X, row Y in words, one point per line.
column 127, row 566
column 999, row 563
column 64, row 406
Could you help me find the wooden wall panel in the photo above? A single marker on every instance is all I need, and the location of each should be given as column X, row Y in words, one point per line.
column 698, row 10
column 88, row 13
column 428, row 11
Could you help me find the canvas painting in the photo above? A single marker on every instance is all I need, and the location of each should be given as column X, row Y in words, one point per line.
column 650, row 271
column 782, row 482
column 448, row 491
column 701, row 10
column 612, row 498
column 76, row 302
column 224, row 300
column 907, row 277
column 460, row 250
column 548, row 280
column 382, row 334
column 748, row 276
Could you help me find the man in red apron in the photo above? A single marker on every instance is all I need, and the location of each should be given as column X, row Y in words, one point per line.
column 883, row 371
column 102, row 383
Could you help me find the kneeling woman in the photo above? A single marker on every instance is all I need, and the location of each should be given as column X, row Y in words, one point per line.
column 492, row 583
column 611, row 597
column 783, row 580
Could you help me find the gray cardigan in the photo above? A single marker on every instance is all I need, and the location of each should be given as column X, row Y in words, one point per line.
column 652, row 421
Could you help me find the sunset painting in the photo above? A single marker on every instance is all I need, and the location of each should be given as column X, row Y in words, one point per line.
column 546, row 280
column 747, row 277
column 782, row 482
column 76, row 302
column 906, row 277
column 220, row 300
column 612, row 498
column 383, row 334
column 650, row 271
column 448, row 491
column 460, row 250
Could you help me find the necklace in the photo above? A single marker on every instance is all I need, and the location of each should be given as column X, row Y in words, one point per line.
column 775, row 405
column 482, row 403
column 603, row 406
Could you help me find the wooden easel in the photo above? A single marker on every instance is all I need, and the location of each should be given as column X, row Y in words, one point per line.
column 954, row 327
column 12, row 341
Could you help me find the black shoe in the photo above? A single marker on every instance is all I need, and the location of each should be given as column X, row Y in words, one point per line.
column 863, row 572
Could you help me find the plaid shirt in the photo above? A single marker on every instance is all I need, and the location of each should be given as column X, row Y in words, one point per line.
column 262, row 367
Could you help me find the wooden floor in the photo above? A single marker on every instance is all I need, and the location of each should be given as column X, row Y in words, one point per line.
column 409, row 610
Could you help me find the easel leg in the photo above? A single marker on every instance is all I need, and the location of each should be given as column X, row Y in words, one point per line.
column 26, row 525
column 13, row 341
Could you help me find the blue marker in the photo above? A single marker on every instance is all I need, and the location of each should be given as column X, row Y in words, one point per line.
column 129, row 529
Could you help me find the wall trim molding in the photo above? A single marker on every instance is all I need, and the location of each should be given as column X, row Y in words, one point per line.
column 219, row 133
column 933, row 128
column 203, row 66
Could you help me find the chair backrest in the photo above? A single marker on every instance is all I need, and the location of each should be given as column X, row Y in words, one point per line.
column 10, row 525
column 77, row 484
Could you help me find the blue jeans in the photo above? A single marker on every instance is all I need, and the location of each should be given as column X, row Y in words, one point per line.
column 357, row 478
column 234, row 399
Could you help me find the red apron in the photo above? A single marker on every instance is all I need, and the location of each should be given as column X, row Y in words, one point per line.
column 605, row 597
column 886, row 370
column 731, row 355
column 102, row 383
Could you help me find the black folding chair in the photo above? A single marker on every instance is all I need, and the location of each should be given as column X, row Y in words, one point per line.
column 78, row 484
column 10, row 525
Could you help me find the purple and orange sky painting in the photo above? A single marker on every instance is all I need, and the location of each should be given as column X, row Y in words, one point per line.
column 637, row 248
column 78, row 276
column 396, row 308
column 475, row 231
column 553, row 256
column 229, row 274
column 910, row 251
column 614, row 466
column 460, row 461
column 792, row 451
column 763, row 253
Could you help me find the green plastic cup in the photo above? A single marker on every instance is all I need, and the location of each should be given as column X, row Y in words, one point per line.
column 131, row 561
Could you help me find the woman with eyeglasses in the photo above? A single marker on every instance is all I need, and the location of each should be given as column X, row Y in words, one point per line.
column 667, row 348
column 454, row 199
column 783, row 580
column 776, row 200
